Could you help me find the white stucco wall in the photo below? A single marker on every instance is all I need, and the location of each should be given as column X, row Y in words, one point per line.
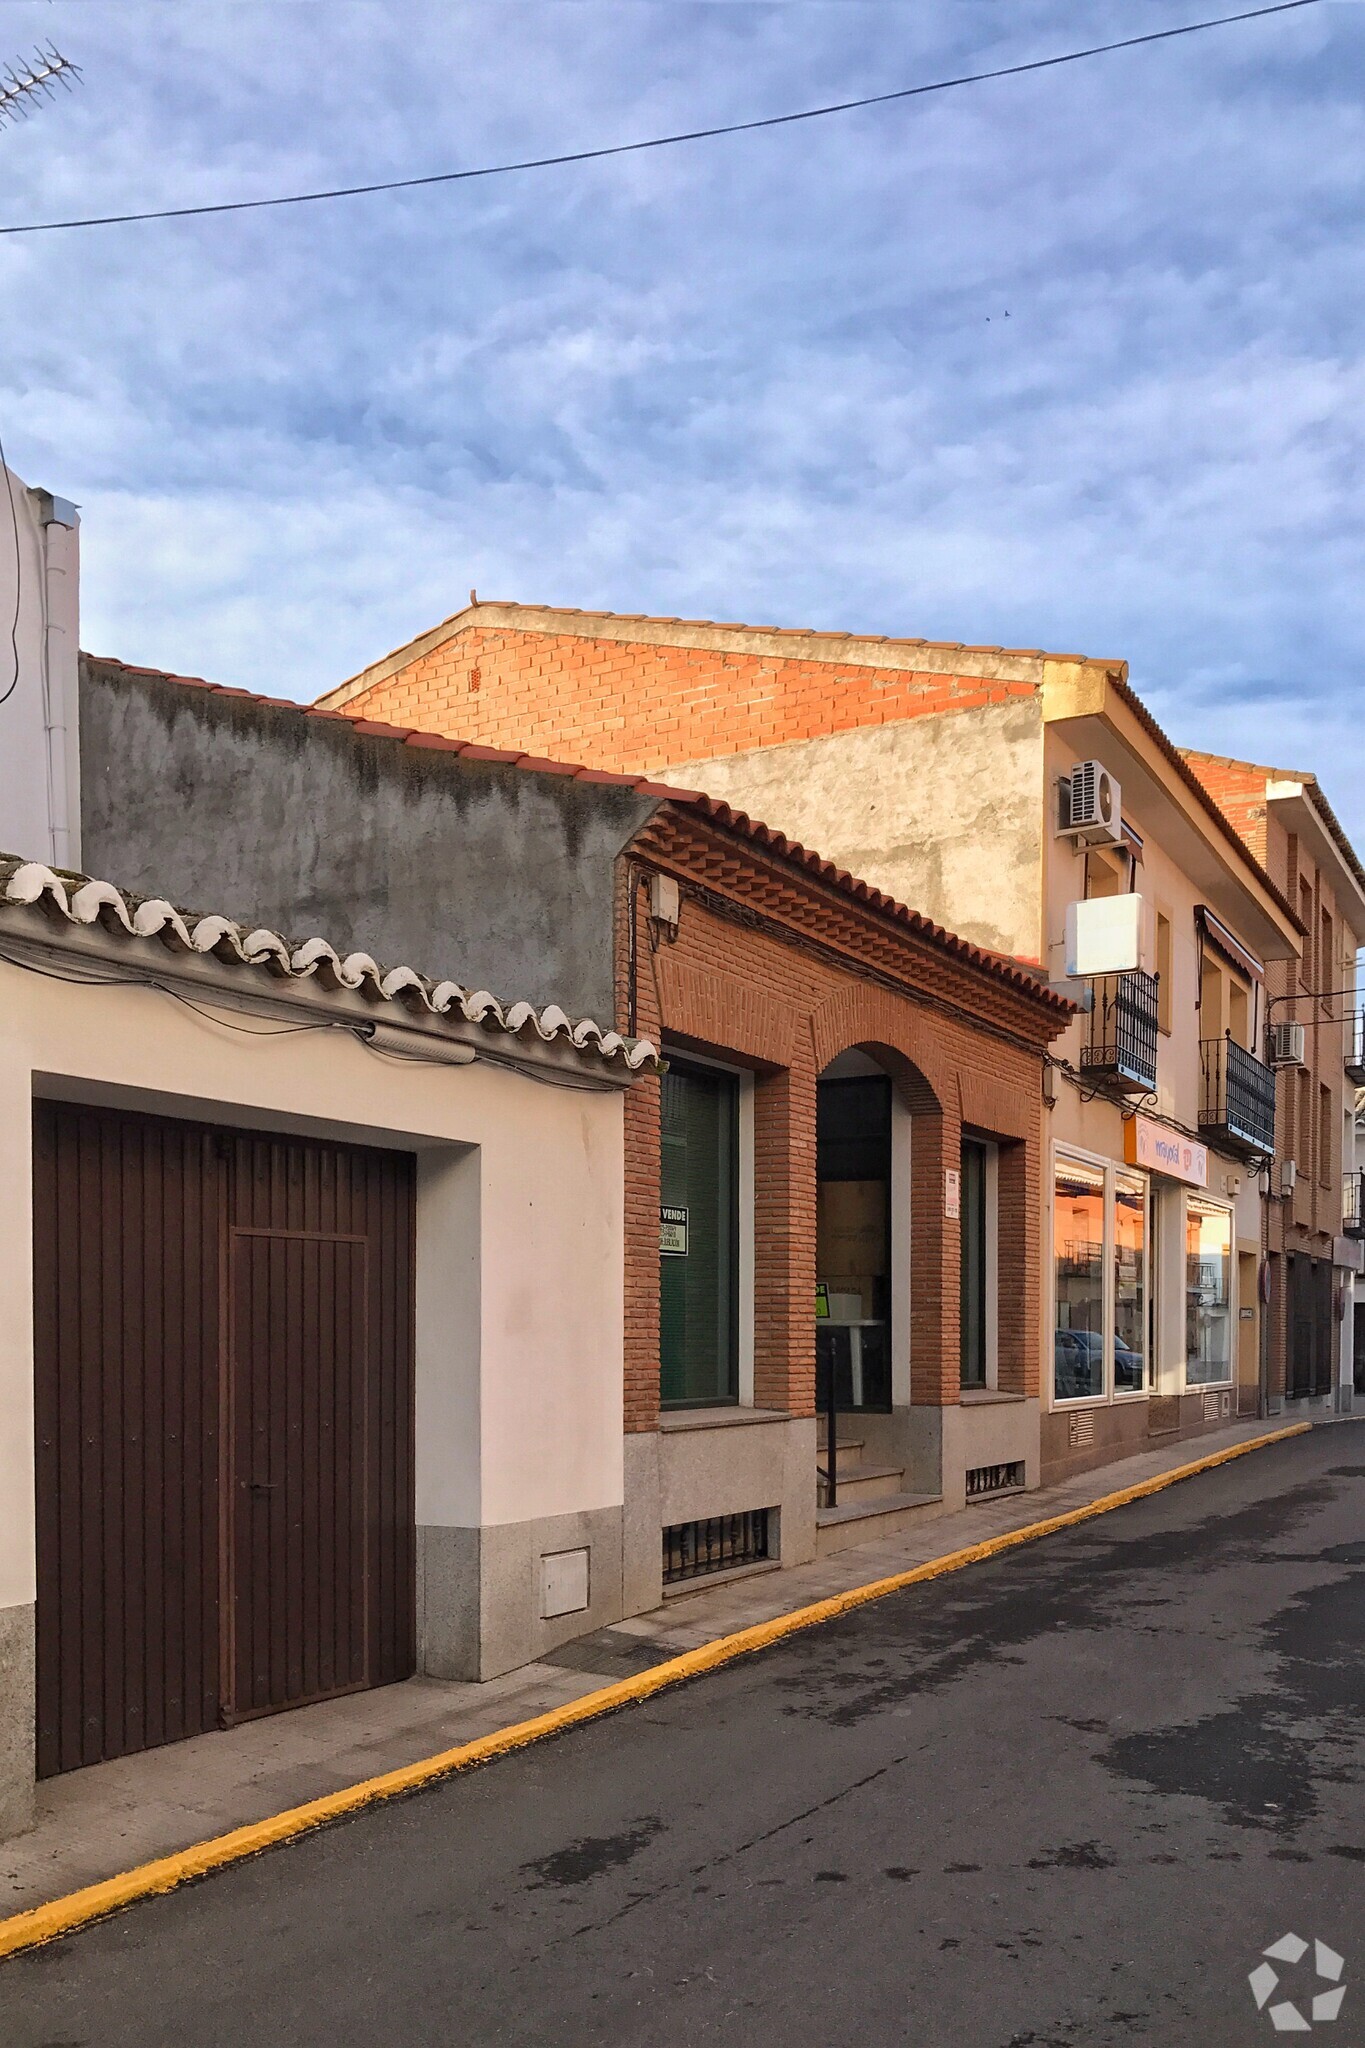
column 520, row 1234
column 942, row 811
column 39, row 748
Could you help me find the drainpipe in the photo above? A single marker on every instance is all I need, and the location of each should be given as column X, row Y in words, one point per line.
column 60, row 675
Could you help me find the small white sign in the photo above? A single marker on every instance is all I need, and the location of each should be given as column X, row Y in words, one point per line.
column 952, row 1193
column 1105, row 935
column 673, row 1232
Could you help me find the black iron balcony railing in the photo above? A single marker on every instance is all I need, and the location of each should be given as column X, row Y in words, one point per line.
column 1123, row 1031
column 1237, row 1099
column 1355, row 1048
column 1353, row 1204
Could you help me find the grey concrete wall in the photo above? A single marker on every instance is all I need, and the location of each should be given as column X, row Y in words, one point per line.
column 479, row 1591
column 708, row 1469
column 474, row 870
column 18, row 1710
column 943, row 812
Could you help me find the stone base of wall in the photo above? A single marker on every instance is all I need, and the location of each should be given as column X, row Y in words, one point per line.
column 481, row 1592
column 1124, row 1428
column 716, row 1462
column 18, row 1714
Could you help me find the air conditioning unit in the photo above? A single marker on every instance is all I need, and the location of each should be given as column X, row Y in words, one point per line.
column 1289, row 1174
column 1286, row 1045
column 1091, row 806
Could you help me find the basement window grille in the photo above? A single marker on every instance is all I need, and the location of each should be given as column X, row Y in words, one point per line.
column 984, row 1479
column 720, row 1543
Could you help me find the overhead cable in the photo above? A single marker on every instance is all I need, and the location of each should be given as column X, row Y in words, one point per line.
column 583, row 156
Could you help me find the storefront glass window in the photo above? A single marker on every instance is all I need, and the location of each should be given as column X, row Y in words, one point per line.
column 1130, row 1283
column 1208, row 1293
column 1078, row 1254
column 698, row 1238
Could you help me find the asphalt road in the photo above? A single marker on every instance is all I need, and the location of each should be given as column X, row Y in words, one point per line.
column 1060, row 1800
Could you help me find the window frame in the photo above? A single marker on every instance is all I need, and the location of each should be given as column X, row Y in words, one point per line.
column 683, row 1063
column 1110, row 1396
column 1210, row 1203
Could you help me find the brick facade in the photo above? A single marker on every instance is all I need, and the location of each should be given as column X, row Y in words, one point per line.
column 1309, row 1221
column 773, row 972
column 631, row 705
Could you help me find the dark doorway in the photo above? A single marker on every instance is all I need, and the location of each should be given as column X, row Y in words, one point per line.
column 973, row 1325
column 223, row 1408
column 853, row 1242
column 1310, row 1327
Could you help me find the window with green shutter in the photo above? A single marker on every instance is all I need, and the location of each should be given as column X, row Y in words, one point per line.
column 699, row 1238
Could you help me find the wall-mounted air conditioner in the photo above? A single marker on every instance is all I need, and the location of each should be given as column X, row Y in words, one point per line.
column 1288, row 1176
column 1286, row 1045
column 1091, row 806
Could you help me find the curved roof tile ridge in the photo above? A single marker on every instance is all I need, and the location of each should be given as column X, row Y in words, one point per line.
column 85, row 902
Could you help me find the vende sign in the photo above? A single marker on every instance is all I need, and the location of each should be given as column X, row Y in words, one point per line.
column 1160, row 1150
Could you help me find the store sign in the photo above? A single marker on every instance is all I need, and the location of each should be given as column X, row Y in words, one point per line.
column 1150, row 1144
column 822, row 1301
column 673, row 1232
column 952, row 1193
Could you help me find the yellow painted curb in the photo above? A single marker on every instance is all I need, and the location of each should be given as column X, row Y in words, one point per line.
column 77, row 1909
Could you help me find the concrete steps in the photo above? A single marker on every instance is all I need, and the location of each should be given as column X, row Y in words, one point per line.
column 865, row 1521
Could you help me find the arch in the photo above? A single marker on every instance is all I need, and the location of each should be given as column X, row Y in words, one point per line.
column 895, row 1034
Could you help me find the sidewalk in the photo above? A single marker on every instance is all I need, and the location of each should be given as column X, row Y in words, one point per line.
column 96, row 1822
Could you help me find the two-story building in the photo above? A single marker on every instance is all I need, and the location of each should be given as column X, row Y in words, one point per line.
column 1316, row 1221
column 998, row 789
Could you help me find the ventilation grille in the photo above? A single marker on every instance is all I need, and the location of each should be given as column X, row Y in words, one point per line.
column 721, row 1543
column 1082, row 1428
column 982, row 1479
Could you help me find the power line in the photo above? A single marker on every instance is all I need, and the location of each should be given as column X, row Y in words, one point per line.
column 583, row 156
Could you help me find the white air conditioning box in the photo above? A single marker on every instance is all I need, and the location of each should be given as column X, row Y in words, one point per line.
column 1091, row 805
column 1107, row 935
column 1289, row 1174
column 1286, row 1045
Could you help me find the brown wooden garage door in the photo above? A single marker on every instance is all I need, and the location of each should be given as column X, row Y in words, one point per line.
column 224, row 1359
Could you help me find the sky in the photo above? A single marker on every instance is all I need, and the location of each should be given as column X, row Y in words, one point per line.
column 1074, row 360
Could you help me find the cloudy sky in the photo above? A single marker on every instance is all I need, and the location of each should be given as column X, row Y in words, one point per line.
column 1074, row 360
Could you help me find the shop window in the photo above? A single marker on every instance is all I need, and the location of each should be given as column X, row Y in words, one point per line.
column 853, row 1242
column 699, row 1238
column 1130, row 1283
column 1078, row 1256
column 974, row 1324
column 1208, row 1293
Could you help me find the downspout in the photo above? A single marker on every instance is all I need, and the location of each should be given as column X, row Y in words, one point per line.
column 60, row 676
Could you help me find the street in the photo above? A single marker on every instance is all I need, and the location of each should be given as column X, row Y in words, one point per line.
column 1059, row 1800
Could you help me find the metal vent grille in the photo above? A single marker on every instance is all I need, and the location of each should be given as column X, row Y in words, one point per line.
column 720, row 1543
column 1083, row 1428
column 1081, row 796
column 983, row 1479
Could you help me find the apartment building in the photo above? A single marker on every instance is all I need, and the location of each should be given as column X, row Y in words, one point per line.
column 1030, row 803
column 1315, row 1234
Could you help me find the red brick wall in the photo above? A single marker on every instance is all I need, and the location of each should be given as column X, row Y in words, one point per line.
column 771, row 1002
column 1238, row 789
column 632, row 705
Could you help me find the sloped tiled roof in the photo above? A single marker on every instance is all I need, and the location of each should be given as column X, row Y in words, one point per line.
column 998, row 966
column 80, row 901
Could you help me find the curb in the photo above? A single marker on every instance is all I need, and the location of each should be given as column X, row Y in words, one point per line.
column 77, row 1909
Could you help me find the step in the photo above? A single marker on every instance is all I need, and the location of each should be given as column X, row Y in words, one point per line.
column 850, row 1447
column 865, row 1521
column 864, row 1482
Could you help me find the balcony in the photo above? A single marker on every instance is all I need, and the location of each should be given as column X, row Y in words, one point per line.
column 1237, row 1096
column 1121, row 1047
column 1355, row 1048
column 1353, row 1204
